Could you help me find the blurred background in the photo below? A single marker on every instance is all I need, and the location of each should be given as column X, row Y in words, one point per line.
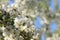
column 49, row 9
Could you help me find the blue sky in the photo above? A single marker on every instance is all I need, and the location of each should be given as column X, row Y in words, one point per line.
column 52, row 5
column 38, row 22
column 53, row 25
column 10, row 2
column 59, row 4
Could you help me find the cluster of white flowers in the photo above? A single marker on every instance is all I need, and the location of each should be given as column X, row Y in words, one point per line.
column 23, row 27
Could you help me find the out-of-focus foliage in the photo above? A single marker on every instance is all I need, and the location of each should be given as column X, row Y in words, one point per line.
column 17, row 21
column 4, row 1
